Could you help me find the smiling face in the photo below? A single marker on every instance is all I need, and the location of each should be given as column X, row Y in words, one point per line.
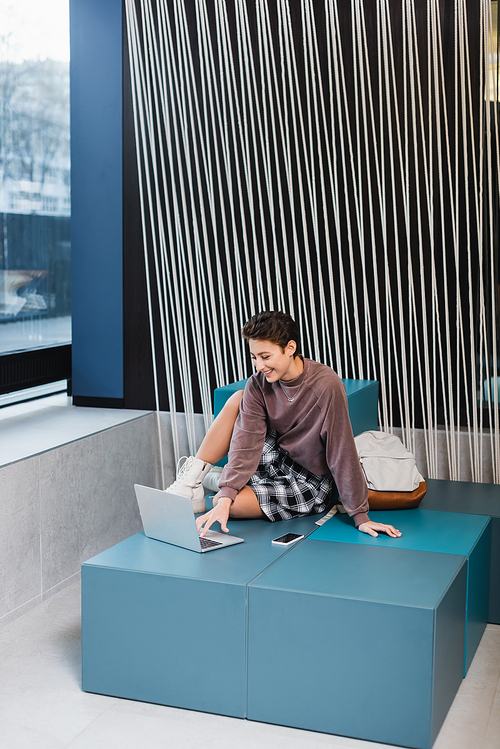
column 274, row 362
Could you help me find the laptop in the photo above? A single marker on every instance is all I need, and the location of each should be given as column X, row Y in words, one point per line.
column 170, row 518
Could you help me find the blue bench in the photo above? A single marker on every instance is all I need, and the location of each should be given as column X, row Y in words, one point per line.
column 476, row 499
column 149, row 608
column 361, row 639
column 442, row 532
column 358, row 641
column 378, row 631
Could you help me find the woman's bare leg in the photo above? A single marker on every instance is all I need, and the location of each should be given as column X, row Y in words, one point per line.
column 215, row 444
column 245, row 506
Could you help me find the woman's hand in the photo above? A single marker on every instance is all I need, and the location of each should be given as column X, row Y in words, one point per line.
column 371, row 529
column 219, row 514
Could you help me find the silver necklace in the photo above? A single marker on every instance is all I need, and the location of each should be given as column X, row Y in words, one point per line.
column 291, row 400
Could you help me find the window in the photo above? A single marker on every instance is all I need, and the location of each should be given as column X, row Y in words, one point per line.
column 35, row 303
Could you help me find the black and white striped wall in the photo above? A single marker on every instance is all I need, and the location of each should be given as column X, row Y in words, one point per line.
column 337, row 159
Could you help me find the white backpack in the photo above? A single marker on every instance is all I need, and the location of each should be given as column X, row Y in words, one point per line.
column 387, row 464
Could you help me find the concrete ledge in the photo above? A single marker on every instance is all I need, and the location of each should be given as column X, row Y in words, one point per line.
column 67, row 493
column 51, row 424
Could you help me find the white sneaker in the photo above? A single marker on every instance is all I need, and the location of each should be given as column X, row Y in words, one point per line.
column 211, row 480
column 188, row 482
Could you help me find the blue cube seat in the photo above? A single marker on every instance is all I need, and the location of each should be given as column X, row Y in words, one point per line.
column 381, row 628
column 340, row 633
column 376, row 629
column 148, row 609
column 358, row 641
column 476, row 499
column 442, row 532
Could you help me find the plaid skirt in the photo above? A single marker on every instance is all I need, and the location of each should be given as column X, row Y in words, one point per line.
column 284, row 488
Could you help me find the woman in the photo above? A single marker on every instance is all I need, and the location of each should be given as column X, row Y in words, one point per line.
column 289, row 439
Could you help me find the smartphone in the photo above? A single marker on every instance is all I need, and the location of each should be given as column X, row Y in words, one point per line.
column 288, row 538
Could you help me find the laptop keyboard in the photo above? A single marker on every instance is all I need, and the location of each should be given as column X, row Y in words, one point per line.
column 207, row 542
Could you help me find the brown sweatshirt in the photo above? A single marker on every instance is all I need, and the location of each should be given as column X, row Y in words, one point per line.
column 314, row 430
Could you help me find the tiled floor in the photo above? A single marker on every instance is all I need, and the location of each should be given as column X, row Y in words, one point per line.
column 42, row 705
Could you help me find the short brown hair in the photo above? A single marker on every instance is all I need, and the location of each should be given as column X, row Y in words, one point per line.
column 277, row 327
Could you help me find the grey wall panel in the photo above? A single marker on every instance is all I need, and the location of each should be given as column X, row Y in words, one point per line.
column 87, row 496
column 19, row 535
